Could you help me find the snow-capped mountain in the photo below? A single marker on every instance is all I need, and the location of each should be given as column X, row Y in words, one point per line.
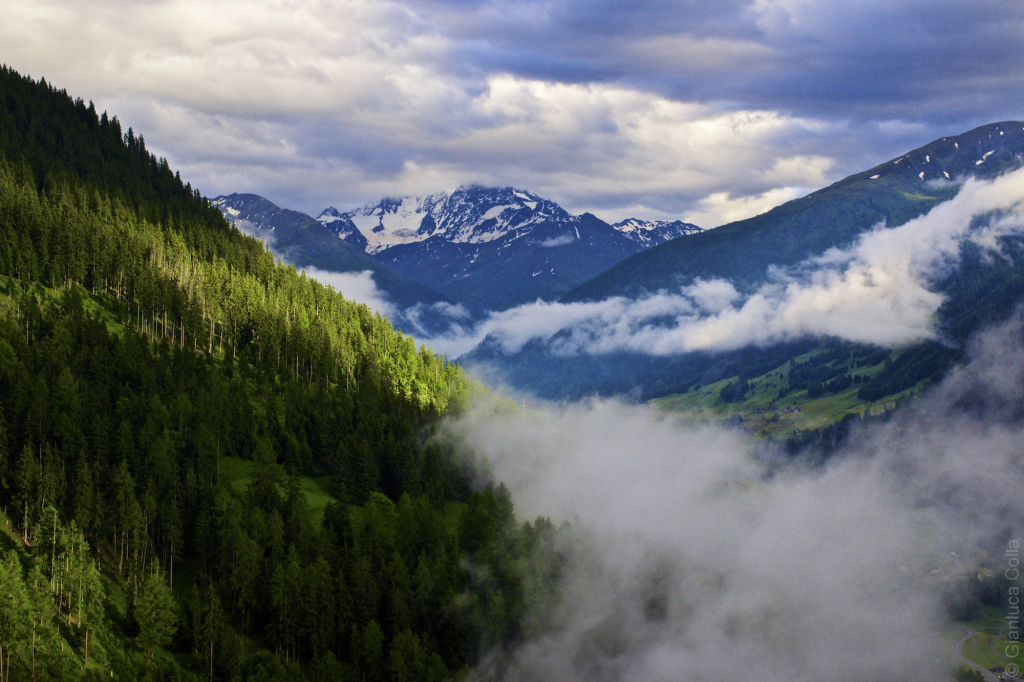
column 654, row 232
column 470, row 215
column 340, row 224
column 487, row 247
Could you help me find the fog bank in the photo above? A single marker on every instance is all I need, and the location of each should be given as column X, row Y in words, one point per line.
column 703, row 562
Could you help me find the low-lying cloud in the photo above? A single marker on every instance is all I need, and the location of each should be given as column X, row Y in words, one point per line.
column 421, row 319
column 773, row 572
column 356, row 286
column 561, row 240
column 880, row 290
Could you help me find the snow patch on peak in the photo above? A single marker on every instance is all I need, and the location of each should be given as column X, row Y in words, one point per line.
column 472, row 214
column 653, row 232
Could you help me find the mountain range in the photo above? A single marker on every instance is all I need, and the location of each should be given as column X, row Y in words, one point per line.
column 491, row 249
column 486, row 248
column 745, row 253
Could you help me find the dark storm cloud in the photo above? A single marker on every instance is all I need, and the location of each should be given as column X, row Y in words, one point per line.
column 942, row 62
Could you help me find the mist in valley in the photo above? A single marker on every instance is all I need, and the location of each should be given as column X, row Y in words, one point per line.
column 694, row 552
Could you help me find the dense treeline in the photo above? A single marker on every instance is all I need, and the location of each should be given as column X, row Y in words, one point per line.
column 204, row 292
column 142, row 341
column 109, row 460
column 928, row 360
column 58, row 139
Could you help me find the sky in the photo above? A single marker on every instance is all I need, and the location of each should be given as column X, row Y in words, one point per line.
column 706, row 111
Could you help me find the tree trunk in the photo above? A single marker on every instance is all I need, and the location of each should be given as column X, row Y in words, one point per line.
column 87, row 647
column 53, row 547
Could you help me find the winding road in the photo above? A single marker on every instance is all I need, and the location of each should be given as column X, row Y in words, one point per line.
column 957, row 649
column 992, row 646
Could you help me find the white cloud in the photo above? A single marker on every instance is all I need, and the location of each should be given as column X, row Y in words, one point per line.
column 557, row 241
column 720, row 208
column 793, row 579
column 877, row 291
column 355, row 286
column 713, row 296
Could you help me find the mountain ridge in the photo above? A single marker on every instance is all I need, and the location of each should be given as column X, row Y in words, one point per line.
column 492, row 248
column 654, row 232
column 892, row 192
column 394, row 221
column 979, row 291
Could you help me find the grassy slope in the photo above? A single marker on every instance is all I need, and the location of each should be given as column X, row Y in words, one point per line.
column 989, row 630
column 238, row 474
column 978, row 650
column 764, row 414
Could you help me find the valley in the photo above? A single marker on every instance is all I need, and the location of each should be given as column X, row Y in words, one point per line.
column 448, row 429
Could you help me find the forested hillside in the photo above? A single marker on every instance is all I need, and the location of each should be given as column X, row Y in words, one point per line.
column 301, row 241
column 143, row 341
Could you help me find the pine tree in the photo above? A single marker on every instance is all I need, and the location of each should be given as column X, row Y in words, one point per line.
column 156, row 613
column 15, row 610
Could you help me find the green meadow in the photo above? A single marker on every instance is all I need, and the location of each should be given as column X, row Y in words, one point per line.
column 764, row 413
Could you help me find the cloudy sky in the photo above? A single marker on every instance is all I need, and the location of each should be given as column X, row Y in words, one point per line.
column 710, row 111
